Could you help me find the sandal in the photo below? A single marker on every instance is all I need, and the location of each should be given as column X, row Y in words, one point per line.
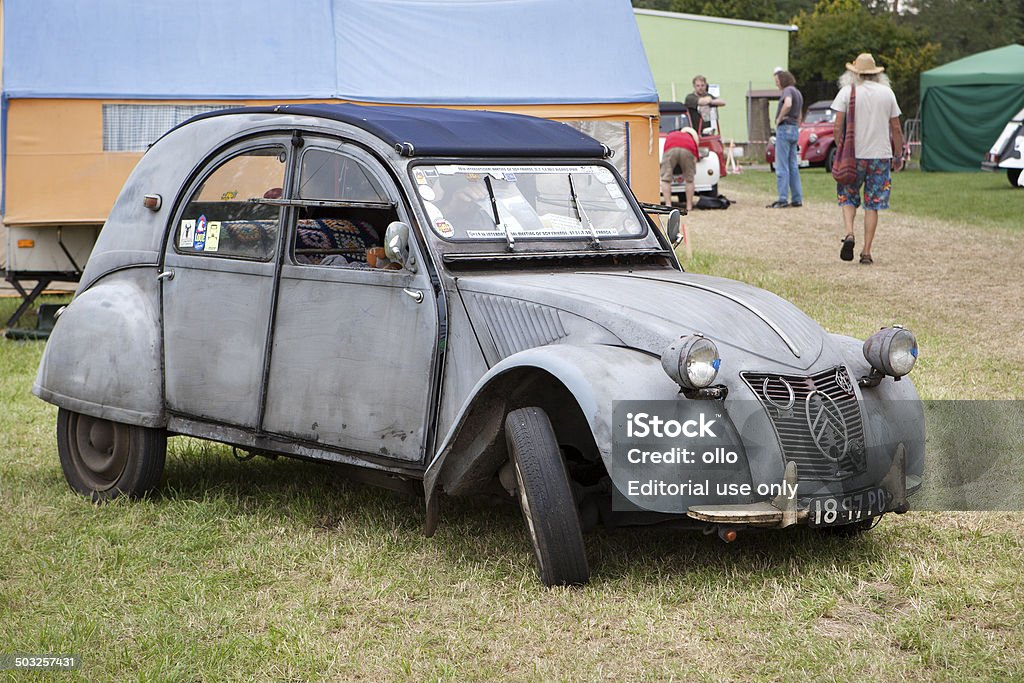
column 866, row 259
column 846, row 253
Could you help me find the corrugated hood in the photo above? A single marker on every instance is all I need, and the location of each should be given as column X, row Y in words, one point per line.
column 646, row 309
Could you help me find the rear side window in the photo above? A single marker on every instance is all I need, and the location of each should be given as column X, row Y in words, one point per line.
column 219, row 219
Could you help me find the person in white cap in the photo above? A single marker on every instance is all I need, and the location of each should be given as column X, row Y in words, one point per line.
column 680, row 153
column 878, row 140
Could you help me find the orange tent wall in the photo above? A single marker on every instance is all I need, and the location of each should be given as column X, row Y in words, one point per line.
column 58, row 173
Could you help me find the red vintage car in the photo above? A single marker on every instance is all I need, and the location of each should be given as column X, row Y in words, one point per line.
column 817, row 144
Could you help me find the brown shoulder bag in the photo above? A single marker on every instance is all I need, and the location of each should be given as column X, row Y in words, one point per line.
column 844, row 163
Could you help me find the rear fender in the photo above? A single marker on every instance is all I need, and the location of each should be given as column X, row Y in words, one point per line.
column 104, row 355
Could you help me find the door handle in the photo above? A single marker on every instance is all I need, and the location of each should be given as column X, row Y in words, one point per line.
column 416, row 295
column 166, row 275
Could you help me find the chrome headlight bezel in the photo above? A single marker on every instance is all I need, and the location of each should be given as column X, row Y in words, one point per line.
column 692, row 361
column 892, row 351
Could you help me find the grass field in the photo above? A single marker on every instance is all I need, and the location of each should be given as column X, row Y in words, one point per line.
column 984, row 200
column 283, row 570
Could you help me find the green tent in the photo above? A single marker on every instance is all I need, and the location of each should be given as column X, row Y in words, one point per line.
column 965, row 104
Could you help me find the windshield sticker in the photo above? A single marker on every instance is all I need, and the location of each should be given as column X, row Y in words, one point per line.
column 420, row 177
column 433, row 213
column 427, row 193
column 187, row 234
column 430, row 173
column 614, row 191
column 510, row 177
column 576, row 232
column 604, row 175
column 622, row 204
column 212, row 236
column 444, row 228
column 199, row 243
column 498, row 171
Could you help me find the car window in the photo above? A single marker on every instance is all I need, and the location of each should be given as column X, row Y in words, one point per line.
column 819, row 116
column 342, row 212
column 572, row 201
column 219, row 219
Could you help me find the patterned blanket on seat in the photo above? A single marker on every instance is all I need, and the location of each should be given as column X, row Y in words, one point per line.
column 336, row 235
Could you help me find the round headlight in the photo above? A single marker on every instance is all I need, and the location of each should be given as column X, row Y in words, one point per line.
column 892, row 351
column 691, row 361
column 813, row 138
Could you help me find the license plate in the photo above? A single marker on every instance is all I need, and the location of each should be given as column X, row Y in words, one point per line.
column 853, row 507
column 804, row 162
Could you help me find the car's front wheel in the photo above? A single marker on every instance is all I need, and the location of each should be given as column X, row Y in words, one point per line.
column 103, row 459
column 545, row 497
column 829, row 158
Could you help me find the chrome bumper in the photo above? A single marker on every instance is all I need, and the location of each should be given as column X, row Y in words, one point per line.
column 785, row 511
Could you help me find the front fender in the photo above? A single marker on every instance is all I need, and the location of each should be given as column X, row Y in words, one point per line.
column 593, row 375
column 103, row 356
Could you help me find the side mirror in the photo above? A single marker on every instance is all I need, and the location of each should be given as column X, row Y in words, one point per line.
column 396, row 245
column 672, row 228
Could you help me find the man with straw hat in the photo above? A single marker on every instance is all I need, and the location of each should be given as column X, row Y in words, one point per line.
column 878, row 141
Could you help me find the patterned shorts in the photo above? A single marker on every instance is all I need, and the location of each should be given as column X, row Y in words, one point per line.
column 874, row 175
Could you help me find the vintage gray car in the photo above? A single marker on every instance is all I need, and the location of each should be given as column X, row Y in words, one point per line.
column 467, row 302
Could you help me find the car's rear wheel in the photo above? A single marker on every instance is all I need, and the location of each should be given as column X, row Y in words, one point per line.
column 771, row 167
column 103, row 459
column 1013, row 174
column 545, row 497
column 829, row 158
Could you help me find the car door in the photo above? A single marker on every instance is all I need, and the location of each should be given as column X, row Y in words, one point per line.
column 218, row 284
column 354, row 343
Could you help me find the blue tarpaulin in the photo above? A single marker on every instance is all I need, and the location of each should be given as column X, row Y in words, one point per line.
column 397, row 51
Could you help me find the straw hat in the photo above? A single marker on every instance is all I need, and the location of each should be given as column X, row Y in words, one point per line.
column 864, row 65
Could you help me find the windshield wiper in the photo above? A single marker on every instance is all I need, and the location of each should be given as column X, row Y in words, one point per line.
column 498, row 223
column 581, row 215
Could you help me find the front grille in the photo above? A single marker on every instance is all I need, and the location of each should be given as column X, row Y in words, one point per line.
column 816, row 419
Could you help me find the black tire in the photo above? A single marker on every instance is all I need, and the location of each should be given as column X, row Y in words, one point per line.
column 829, row 158
column 771, row 167
column 1013, row 175
column 854, row 530
column 103, row 459
column 545, row 497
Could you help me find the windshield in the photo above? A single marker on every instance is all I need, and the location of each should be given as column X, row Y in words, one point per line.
column 671, row 122
column 511, row 203
column 819, row 116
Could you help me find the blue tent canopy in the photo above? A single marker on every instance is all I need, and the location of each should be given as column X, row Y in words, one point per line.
column 398, row 51
column 419, row 131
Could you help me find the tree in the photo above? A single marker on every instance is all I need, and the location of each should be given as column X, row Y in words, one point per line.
column 836, row 31
column 966, row 28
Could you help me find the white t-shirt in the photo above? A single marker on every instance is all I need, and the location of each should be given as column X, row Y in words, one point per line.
column 875, row 105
